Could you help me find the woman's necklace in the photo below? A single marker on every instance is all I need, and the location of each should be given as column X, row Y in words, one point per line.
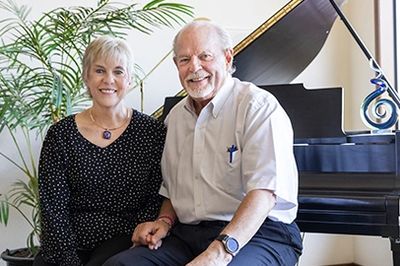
column 107, row 131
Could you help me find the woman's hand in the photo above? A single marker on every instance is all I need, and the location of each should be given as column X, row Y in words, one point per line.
column 150, row 234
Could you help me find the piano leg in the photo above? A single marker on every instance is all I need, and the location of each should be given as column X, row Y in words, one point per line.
column 395, row 246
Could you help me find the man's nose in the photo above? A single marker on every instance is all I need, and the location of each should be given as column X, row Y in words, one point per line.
column 195, row 64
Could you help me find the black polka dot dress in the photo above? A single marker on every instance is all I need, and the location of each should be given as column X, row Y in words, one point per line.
column 90, row 194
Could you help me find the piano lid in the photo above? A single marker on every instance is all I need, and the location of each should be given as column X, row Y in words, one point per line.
column 283, row 46
column 282, row 50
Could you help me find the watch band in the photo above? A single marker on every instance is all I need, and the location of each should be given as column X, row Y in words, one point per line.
column 222, row 237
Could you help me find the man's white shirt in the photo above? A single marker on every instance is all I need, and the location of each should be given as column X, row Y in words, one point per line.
column 242, row 140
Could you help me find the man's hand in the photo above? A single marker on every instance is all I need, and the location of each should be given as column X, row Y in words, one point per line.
column 214, row 255
column 150, row 234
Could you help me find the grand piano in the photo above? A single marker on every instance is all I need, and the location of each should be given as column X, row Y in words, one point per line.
column 348, row 183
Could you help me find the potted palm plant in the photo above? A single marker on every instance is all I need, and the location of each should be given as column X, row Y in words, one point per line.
column 40, row 79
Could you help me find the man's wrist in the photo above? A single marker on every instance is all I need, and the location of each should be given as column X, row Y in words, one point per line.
column 220, row 252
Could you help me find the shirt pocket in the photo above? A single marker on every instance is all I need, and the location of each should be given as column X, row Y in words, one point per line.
column 233, row 159
column 227, row 176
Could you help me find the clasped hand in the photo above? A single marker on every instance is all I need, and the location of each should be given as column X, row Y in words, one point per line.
column 150, row 234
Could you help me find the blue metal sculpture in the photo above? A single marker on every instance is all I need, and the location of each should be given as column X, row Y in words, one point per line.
column 378, row 112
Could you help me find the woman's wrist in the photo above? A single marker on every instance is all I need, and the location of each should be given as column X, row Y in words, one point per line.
column 166, row 219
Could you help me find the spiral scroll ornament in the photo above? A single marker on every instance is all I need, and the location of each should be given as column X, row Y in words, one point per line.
column 378, row 112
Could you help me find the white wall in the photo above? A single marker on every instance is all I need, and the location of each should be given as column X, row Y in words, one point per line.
column 330, row 68
column 321, row 249
column 372, row 251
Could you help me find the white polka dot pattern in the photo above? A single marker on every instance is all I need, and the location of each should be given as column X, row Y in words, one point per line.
column 89, row 194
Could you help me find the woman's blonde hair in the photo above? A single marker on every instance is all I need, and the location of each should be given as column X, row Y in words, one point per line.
column 108, row 48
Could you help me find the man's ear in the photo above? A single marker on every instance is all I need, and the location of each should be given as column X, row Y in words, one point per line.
column 229, row 56
column 175, row 61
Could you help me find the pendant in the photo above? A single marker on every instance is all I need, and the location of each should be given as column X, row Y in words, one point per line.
column 106, row 134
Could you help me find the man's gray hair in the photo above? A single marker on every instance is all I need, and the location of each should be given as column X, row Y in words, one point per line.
column 224, row 37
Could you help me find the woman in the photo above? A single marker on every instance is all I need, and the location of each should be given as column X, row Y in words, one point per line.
column 99, row 170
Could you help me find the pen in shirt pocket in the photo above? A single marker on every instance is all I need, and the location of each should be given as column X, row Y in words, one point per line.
column 232, row 151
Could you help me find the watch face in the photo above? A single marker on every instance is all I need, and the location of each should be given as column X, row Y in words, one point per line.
column 232, row 245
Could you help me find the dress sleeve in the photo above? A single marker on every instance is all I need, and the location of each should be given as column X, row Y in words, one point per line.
column 58, row 241
column 150, row 211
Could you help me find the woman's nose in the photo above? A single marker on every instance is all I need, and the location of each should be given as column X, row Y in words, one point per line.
column 109, row 78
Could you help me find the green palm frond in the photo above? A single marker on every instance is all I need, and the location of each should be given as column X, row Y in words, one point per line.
column 4, row 211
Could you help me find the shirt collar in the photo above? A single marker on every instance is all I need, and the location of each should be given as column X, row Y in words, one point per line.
column 189, row 105
column 222, row 95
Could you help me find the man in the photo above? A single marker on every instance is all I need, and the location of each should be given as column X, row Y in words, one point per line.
column 229, row 174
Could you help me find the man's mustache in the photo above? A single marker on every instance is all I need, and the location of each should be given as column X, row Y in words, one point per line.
column 197, row 75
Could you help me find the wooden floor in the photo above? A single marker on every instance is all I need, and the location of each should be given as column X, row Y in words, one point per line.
column 347, row 264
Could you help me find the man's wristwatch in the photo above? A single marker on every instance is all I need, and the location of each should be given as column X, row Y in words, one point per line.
column 231, row 245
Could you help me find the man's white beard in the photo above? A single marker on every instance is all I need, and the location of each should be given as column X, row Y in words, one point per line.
column 200, row 92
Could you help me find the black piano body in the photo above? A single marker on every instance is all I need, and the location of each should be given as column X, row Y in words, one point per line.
column 348, row 183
